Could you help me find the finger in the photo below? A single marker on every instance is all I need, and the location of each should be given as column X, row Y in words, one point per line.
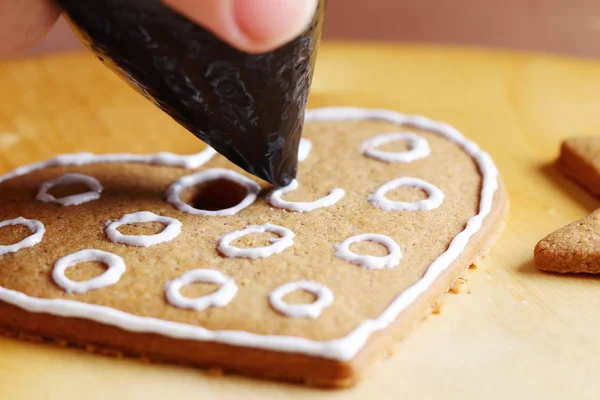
column 23, row 23
column 254, row 26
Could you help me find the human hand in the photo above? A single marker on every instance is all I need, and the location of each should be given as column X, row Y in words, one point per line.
column 250, row 25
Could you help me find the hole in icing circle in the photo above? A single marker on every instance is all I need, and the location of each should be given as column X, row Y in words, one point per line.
column 277, row 245
column 172, row 229
column 406, row 194
column 300, row 297
column 370, row 261
column 215, row 195
column 435, row 197
column 115, row 269
column 176, row 190
column 35, row 227
column 12, row 234
column 143, row 228
column 86, row 270
column 198, row 289
column 323, row 299
column 258, row 239
column 369, row 248
column 221, row 297
column 87, row 188
column 417, row 147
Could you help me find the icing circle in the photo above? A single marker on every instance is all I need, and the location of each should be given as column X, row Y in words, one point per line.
column 73, row 200
column 173, row 193
column 275, row 199
column 226, row 292
column 418, row 147
column 36, row 228
column 170, row 232
column 393, row 258
column 116, row 268
column 312, row 310
column 278, row 245
column 434, row 200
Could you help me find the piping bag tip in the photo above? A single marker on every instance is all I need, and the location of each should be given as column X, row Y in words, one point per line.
column 248, row 107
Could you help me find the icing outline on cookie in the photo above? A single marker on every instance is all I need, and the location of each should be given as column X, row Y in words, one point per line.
column 115, row 264
column 418, row 147
column 274, row 198
column 171, row 230
column 36, row 228
column 73, row 200
column 435, row 197
column 341, row 349
column 312, row 310
column 219, row 298
column 342, row 251
column 173, row 193
column 304, row 149
column 278, row 245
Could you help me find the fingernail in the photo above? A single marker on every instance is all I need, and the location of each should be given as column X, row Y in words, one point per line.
column 271, row 23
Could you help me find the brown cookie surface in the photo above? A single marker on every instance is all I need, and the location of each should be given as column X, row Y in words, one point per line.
column 580, row 160
column 571, row 249
column 369, row 308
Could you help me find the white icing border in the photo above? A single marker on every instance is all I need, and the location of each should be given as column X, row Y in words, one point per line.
column 313, row 310
column 418, row 147
column 342, row 349
column 219, row 298
column 36, row 228
column 73, row 200
column 170, row 231
column 278, row 245
column 173, row 193
column 274, row 198
column 435, row 197
column 343, row 251
column 116, row 268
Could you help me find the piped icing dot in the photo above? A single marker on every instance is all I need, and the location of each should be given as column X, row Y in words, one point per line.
column 313, row 310
column 73, row 200
column 418, row 147
column 304, row 149
column 434, row 200
column 366, row 261
column 115, row 264
column 170, row 232
column 36, row 228
column 173, row 193
column 275, row 199
column 278, row 245
column 220, row 298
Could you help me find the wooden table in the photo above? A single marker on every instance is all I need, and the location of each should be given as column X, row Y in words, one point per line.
column 512, row 333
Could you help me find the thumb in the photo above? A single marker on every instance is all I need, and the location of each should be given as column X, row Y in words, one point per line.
column 253, row 26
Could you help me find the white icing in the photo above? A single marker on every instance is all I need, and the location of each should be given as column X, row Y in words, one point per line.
column 304, row 149
column 278, row 245
column 312, row 310
column 173, row 193
column 115, row 264
column 275, row 199
column 342, row 349
column 393, row 258
column 226, row 292
column 75, row 199
column 418, row 147
column 434, row 200
column 170, row 232
column 77, row 159
column 36, row 228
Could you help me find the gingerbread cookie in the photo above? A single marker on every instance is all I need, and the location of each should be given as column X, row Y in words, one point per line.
column 572, row 249
column 188, row 259
column 580, row 160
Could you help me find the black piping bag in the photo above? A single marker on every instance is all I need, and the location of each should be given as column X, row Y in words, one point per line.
column 248, row 107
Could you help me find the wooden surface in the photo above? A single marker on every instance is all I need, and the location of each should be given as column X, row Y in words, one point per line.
column 512, row 333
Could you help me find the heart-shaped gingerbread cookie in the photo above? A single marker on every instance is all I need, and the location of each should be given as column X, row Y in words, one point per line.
column 188, row 259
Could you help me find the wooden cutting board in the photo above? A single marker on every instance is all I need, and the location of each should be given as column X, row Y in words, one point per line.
column 511, row 333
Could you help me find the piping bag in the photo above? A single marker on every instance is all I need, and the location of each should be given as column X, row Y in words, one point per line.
column 248, row 107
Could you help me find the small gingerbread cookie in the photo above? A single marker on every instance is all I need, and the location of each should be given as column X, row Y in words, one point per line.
column 572, row 249
column 189, row 259
column 580, row 160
